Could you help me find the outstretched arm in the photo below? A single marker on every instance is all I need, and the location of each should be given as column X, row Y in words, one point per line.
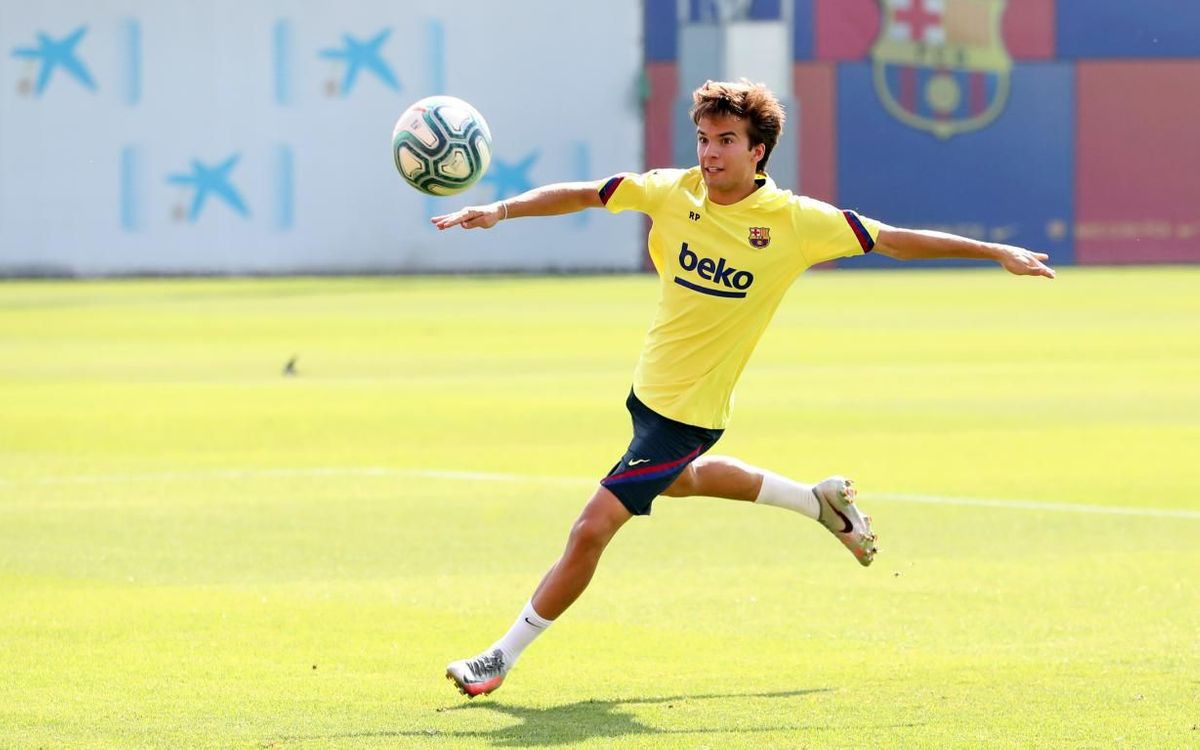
column 921, row 244
column 550, row 200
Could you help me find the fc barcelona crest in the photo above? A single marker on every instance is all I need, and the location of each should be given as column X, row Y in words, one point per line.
column 760, row 237
column 941, row 65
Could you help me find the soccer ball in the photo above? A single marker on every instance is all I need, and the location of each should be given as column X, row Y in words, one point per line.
column 442, row 145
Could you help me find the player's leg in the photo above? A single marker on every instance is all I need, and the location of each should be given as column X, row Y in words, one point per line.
column 830, row 501
column 718, row 476
column 661, row 448
column 599, row 521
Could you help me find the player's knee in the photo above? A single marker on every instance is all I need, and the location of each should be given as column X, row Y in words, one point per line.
column 590, row 533
column 685, row 484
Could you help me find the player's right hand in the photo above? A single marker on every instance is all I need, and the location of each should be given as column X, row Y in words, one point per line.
column 471, row 217
column 1022, row 262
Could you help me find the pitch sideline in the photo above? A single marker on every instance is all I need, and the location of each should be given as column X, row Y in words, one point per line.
column 476, row 476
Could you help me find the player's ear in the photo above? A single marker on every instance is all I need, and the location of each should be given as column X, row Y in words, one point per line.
column 758, row 150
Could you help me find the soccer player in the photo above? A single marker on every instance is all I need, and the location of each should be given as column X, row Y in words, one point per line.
column 727, row 244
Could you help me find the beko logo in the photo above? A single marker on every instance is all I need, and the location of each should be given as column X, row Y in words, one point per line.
column 718, row 271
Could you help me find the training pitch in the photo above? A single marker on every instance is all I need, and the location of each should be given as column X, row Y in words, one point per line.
column 199, row 549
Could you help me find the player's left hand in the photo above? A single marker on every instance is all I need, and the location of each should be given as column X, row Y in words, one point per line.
column 1024, row 262
column 471, row 217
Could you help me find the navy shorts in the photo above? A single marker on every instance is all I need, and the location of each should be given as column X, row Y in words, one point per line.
column 661, row 449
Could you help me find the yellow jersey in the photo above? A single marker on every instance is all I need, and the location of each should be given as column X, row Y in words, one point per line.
column 723, row 271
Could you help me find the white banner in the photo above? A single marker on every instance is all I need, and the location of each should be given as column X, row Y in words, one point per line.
column 233, row 137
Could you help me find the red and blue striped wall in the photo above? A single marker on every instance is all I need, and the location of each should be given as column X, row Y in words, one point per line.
column 1095, row 157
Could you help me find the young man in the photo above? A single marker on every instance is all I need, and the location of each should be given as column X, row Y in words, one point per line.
column 727, row 244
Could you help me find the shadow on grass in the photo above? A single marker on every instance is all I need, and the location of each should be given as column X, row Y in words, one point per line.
column 576, row 722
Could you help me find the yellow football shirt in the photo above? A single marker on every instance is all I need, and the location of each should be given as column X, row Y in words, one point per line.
column 723, row 271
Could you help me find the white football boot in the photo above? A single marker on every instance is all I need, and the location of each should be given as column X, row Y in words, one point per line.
column 838, row 513
column 478, row 676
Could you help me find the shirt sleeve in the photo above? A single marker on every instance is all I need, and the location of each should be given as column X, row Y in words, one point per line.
column 828, row 232
column 638, row 192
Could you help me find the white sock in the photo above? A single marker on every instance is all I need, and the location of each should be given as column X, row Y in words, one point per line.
column 529, row 625
column 784, row 493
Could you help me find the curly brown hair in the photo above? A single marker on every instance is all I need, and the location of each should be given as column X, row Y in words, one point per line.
column 752, row 102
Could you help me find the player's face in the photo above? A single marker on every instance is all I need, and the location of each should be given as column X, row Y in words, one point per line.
column 727, row 160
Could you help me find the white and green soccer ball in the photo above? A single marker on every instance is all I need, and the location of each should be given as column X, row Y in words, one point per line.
column 442, row 145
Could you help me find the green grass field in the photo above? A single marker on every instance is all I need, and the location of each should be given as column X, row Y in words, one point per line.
column 196, row 551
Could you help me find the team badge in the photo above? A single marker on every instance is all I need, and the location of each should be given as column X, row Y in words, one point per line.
column 941, row 65
column 760, row 237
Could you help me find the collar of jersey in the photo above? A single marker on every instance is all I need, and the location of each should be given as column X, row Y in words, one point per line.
column 766, row 186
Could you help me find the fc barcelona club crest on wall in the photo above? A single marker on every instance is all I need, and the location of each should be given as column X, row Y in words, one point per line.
column 941, row 65
column 760, row 237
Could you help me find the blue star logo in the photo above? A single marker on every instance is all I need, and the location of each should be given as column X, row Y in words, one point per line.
column 53, row 54
column 510, row 179
column 359, row 55
column 210, row 180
